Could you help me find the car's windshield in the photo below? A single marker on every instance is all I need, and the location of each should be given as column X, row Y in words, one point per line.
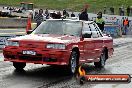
column 62, row 27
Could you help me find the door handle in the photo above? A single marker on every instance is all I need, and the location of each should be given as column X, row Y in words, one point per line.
column 97, row 50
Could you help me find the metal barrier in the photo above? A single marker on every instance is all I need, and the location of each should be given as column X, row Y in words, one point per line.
column 113, row 30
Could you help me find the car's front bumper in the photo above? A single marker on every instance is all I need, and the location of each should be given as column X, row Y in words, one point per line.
column 48, row 56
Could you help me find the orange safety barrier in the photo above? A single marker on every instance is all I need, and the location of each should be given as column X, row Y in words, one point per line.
column 28, row 27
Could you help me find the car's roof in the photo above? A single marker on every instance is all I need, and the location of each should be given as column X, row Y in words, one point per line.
column 88, row 22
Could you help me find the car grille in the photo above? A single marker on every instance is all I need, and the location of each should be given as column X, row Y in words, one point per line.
column 37, row 57
column 30, row 58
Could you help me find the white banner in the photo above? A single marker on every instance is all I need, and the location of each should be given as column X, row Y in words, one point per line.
column 3, row 40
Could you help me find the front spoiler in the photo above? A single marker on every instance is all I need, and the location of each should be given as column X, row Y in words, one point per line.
column 37, row 62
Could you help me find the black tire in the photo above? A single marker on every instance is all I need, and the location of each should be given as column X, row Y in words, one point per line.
column 102, row 61
column 19, row 65
column 73, row 63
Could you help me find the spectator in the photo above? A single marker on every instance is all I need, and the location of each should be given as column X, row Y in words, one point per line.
column 10, row 10
column 36, row 12
column 58, row 15
column 64, row 12
column 122, row 10
column 128, row 11
column 46, row 11
column 99, row 21
column 46, row 14
column 112, row 10
column 54, row 15
column 83, row 15
column 104, row 10
column 125, row 26
column 39, row 17
column 19, row 11
column 67, row 14
column 72, row 15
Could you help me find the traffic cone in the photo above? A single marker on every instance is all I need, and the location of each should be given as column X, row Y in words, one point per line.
column 28, row 27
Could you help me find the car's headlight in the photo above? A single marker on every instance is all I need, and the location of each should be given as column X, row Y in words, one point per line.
column 12, row 43
column 56, row 46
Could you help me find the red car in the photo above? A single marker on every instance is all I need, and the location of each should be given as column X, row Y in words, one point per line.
column 60, row 42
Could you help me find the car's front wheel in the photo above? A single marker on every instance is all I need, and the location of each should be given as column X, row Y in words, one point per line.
column 73, row 63
column 19, row 65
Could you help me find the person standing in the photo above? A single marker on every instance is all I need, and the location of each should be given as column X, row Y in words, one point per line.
column 83, row 15
column 58, row 15
column 104, row 10
column 46, row 14
column 72, row 15
column 112, row 10
column 67, row 14
column 64, row 13
column 39, row 17
column 35, row 14
column 54, row 15
column 122, row 10
column 99, row 21
column 128, row 11
column 125, row 26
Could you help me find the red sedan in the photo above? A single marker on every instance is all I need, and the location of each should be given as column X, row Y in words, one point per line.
column 60, row 42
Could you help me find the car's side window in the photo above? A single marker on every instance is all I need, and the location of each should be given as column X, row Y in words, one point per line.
column 86, row 27
column 94, row 31
column 73, row 28
column 86, row 30
column 98, row 30
column 95, row 34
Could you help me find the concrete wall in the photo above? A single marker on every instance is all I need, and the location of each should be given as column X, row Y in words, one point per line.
column 13, row 22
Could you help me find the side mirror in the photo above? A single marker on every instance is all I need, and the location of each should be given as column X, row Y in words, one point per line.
column 86, row 35
column 29, row 31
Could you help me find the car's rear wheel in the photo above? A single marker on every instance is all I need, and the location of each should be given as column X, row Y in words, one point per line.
column 19, row 65
column 102, row 61
column 72, row 67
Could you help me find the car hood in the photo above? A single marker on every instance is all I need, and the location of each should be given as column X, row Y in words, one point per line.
column 47, row 38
